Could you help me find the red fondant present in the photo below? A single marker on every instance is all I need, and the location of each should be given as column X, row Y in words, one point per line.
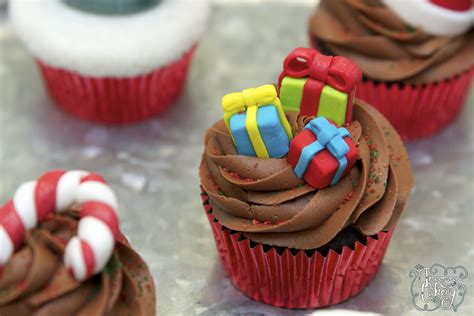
column 323, row 166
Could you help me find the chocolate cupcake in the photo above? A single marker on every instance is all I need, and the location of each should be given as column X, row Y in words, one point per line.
column 284, row 242
column 100, row 274
column 416, row 57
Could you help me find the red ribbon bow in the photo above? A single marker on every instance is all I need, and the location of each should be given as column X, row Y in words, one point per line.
column 339, row 72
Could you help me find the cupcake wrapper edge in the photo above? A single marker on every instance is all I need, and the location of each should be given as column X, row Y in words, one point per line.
column 290, row 280
column 418, row 111
column 120, row 100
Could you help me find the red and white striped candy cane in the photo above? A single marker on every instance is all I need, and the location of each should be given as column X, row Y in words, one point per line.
column 56, row 191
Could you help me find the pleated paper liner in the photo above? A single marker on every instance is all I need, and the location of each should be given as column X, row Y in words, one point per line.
column 415, row 110
column 295, row 278
column 121, row 100
column 420, row 110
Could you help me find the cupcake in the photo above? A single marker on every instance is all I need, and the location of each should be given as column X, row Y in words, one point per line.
column 305, row 222
column 416, row 56
column 61, row 251
column 111, row 62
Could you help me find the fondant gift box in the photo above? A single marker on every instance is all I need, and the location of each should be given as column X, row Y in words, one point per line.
column 257, row 123
column 319, row 85
column 322, row 153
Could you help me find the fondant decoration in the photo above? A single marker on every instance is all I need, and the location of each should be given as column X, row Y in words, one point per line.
column 319, row 85
column 57, row 191
column 257, row 123
column 112, row 6
column 322, row 153
column 438, row 17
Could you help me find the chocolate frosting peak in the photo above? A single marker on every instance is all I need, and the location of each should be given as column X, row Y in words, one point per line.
column 265, row 200
column 35, row 280
column 387, row 48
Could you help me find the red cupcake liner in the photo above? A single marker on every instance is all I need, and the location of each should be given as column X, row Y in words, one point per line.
column 292, row 279
column 420, row 110
column 112, row 100
column 416, row 110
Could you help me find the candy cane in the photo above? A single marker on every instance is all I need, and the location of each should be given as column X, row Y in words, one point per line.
column 56, row 191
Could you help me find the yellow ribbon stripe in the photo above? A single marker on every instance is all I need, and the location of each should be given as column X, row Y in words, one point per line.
column 254, row 134
column 249, row 100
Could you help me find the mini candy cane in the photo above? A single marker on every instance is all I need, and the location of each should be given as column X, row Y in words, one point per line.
column 56, row 191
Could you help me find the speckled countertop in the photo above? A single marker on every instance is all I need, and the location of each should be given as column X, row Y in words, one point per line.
column 153, row 167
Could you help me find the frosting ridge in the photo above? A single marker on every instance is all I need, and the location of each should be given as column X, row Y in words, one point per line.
column 35, row 281
column 265, row 200
column 384, row 46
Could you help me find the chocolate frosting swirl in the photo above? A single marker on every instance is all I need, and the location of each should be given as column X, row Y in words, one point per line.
column 265, row 200
column 385, row 47
column 35, row 280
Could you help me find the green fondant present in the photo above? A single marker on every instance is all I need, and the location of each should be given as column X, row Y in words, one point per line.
column 319, row 85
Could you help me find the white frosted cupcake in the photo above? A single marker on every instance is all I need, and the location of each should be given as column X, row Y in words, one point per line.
column 111, row 61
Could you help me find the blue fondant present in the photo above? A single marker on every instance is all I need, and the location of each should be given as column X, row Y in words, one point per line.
column 271, row 131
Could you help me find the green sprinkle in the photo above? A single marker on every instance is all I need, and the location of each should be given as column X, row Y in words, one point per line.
column 113, row 266
column 377, row 179
column 374, row 154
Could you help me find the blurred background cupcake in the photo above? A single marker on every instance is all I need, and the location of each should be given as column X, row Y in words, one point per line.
column 416, row 56
column 111, row 61
column 62, row 251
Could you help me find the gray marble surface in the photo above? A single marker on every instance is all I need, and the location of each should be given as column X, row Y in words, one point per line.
column 152, row 166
